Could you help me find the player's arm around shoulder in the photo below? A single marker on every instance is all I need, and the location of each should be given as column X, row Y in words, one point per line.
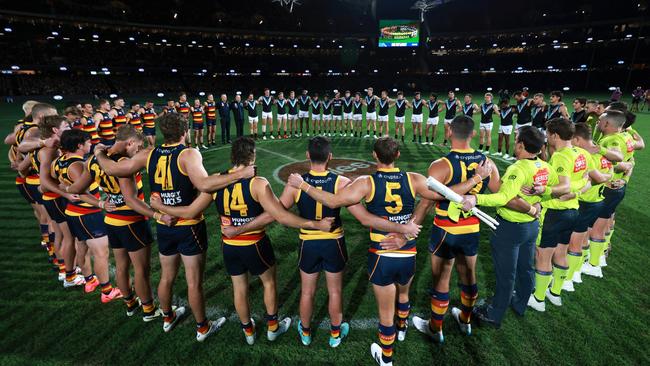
column 495, row 177
column 124, row 167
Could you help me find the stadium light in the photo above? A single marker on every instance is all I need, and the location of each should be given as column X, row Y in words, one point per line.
column 160, row 95
column 131, row 39
column 489, row 89
column 394, row 90
column 317, row 46
column 140, row 70
column 554, row 41
column 611, row 88
column 193, row 42
column 283, row 71
column 352, row 71
column 204, row 70
column 465, row 69
column 363, row 46
column 55, row 33
column 566, row 88
column 523, row 43
column 104, row 69
column 628, row 36
column 306, row 71
column 330, row 71
column 174, row 70
column 375, row 70
column 15, row 67
column 247, row 44
column 590, row 39
column 583, row 66
column 549, row 67
column 95, row 36
column 494, row 44
column 202, row 94
column 271, row 45
column 220, row 43
column 441, row 70
column 257, row 71
column 63, row 68
column 272, row 92
column 340, row 46
column 457, row 89
column 113, row 96
column 491, row 68
column 520, row 68
column 295, row 46
column 621, row 62
column 232, row 71
column 58, row 97
column 93, row 73
column 238, row 93
column 442, row 47
column 335, row 91
column 8, row 30
column 467, row 46
column 164, row 40
column 175, row 15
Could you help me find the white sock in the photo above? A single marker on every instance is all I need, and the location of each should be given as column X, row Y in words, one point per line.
column 264, row 128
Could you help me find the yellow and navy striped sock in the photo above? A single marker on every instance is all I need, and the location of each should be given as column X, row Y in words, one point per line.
column 335, row 330
column 70, row 275
column 271, row 322
column 248, row 328
column 61, row 264
column 386, row 340
column 468, row 296
column 148, row 307
column 106, row 288
column 439, row 305
column 403, row 311
column 130, row 300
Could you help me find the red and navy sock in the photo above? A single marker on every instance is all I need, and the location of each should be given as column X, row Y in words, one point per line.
column 439, row 305
column 271, row 322
column 468, row 296
column 386, row 340
column 403, row 311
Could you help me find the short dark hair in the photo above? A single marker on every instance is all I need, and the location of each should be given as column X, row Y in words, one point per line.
column 518, row 92
column 630, row 118
column 532, row 139
column 462, row 127
column 434, row 95
column 557, row 93
column 48, row 124
column 133, row 103
column 562, row 127
column 73, row 110
column 128, row 131
column 619, row 106
column 172, row 126
column 319, row 149
column 386, row 150
column 604, row 103
column 582, row 130
column 582, row 101
column 243, row 151
column 71, row 139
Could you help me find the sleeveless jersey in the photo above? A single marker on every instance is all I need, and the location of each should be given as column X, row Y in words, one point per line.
column 417, row 106
column 462, row 165
column 210, row 111
column 577, row 117
column 168, row 180
column 282, row 106
column 537, row 115
column 523, row 112
column 267, row 103
column 433, row 108
column 304, row 103
column 393, row 198
column 468, row 110
column 313, row 210
column 337, row 105
column 106, row 127
column 400, row 107
column 553, row 111
column 383, row 107
column 251, row 108
column 33, row 177
column 184, row 108
column 123, row 214
column 292, row 106
column 327, row 107
column 136, row 121
column 347, row 105
column 357, row 107
column 197, row 115
column 506, row 116
column 149, row 118
column 120, row 119
column 450, row 106
column 36, row 169
column 236, row 207
column 486, row 112
column 90, row 128
column 315, row 106
column 60, row 168
column 370, row 104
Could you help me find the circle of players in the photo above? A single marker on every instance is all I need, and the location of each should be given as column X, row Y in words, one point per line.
column 81, row 173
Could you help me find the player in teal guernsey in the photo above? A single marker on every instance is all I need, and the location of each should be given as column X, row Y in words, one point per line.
column 347, row 114
column 267, row 102
column 390, row 193
column 452, row 106
column 416, row 117
column 176, row 174
column 303, row 113
column 316, row 114
column 486, row 109
column 433, row 118
column 370, row 101
column 250, row 252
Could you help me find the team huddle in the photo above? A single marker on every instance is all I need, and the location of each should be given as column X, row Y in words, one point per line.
column 82, row 173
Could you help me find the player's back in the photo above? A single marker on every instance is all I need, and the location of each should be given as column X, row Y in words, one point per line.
column 237, row 206
column 313, row 210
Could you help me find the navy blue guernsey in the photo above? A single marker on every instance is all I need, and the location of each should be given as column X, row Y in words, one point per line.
column 282, row 106
column 357, row 107
column 251, row 107
column 523, row 112
column 537, row 115
column 315, row 106
column 450, row 106
column 417, row 106
column 327, row 107
column 313, row 210
column 400, row 107
column 393, row 198
column 553, row 111
column 506, row 116
column 468, row 109
column 486, row 112
column 292, row 105
column 337, row 105
column 303, row 101
column 168, row 180
column 370, row 104
column 236, row 207
column 267, row 103
column 433, row 108
column 347, row 104
column 383, row 107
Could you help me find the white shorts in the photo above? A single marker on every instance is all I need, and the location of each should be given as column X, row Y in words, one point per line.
column 327, row 117
column 487, row 126
column 266, row 115
column 518, row 126
column 315, row 117
column 336, row 117
column 433, row 120
column 400, row 119
column 382, row 118
column 303, row 114
column 347, row 115
column 293, row 117
column 416, row 118
column 543, row 131
column 282, row 116
column 506, row 130
column 371, row 115
column 448, row 121
column 357, row 117
column 252, row 119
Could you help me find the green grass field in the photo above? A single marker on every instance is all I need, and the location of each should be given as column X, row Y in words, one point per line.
column 603, row 322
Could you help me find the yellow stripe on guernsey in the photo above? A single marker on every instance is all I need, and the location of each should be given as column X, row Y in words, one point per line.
column 236, row 201
column 306, row 234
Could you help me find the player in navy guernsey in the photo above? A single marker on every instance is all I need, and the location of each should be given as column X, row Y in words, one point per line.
column 170, row 107
column 118, row 114
column 248, row 253
column 400, row 112
column 538, row 117
column 384, row 104
column 506, row 112
column 556, row 108
column 292, row 104
column 250, row 105
column 303, row 113
column 281, row 105
column 328, row 129
column 487, row 108
column 134, row 116
column 455, row 235
column 416, row 117
column 197, row 114
column 452, row 106
column 389, row 193
column 337, row 115
column 210, row 108
column 316, row 115
column 183, row 107
column 357, row 114
column 523, row 107
column 267, row 102
column 433, row 106
column 469, row 107
column 347, row 114
column 579, row 114
column 176, row 175
column 370, row 101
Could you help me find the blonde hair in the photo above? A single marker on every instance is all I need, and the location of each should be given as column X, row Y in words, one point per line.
column 28, row 105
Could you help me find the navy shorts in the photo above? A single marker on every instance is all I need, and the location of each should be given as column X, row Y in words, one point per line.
column 211, row 122
column 587, row 215
column 56, row 209
column 557, row 227
column 87, row 227
column 329, row 255
column 613, row 198
column 34, row 193
column 185, row 240
column 22, row 189
column 384, row 271
column 197, row 126
column 132, row 237
column 107, row 142
column 149, row 131
column 448, row 246
column 255, row 258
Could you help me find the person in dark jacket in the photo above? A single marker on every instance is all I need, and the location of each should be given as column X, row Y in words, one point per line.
column 237, row 108
column 224, row 116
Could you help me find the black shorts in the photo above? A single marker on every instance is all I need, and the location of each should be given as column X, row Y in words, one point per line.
column 384, row 271
column 448, row 246
column 185, row 240
column 132, row 237
column 211, row 122
column 87, row 227
column 255, row 258
column 106, row 142
column 56, row 209
column 587, row 215
column 613, row 198
column 22, row 189
column 197, row 126
column 149, row 131
column 329, row 255
column 557, row 227
column 34, row 193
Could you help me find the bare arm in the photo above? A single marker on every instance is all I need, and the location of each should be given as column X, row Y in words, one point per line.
column 597, row 177
column 31, row 141
column 124, row 167
column 129, row 190
column 191, row 162
column 351, row 194
column 48, row 183
column 200, row 204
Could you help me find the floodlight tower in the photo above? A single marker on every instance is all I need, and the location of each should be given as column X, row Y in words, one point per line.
column 289, row 3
